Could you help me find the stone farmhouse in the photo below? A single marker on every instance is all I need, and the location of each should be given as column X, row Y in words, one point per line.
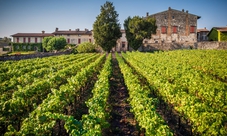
column 75, row 36
column 30, row 37
column 174, row 26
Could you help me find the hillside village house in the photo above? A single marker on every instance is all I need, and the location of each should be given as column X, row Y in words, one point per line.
column 218, row 34
column 202, row 34
column 174, row 26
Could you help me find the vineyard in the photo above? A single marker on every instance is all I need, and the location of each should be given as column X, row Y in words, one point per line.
column 182, row 92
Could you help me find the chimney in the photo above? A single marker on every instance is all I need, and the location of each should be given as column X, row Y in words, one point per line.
column 186, row 11
column 56, row 29
column 169, row 8
column 205, row 28
column 69, row 29
column 86, row 29
column 77, row 29
column 147, row 14
column 43, row 32
column 182, row 10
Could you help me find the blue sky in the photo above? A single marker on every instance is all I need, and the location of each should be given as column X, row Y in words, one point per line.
column 28, row 16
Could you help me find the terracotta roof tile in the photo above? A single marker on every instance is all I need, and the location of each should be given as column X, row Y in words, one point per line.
column 32, row 35
column 222, row 29
column 73, row 32
column 202, row 30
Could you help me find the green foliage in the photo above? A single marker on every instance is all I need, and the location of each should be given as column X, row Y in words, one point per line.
column 213, row 35
column 45, row 43
column 106, row 28
column 27, row 47
column 86, row 47
column 54, row 43
column 176, row 78
column 143, row 106
column 137, row 29
column 223, row 36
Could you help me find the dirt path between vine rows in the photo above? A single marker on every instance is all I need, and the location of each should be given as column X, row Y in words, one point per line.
column 122, row 122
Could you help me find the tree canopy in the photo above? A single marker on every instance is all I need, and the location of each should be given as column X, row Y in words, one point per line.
column 54, row 43
column 137, row 29
column 106, row 28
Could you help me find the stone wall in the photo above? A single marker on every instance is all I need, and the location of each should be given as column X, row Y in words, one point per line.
column 30, row 56
column 185, row 45
column 212, row 45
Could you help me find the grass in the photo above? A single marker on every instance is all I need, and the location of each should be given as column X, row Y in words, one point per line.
column 22, row 52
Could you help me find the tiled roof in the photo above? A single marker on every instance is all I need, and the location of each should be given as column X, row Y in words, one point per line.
column 73, row 32
column 202, row 30
column 32, row 35
column 198, row 17
column 222, row 29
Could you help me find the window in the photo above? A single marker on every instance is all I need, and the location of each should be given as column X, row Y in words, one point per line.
column 192, row 29
column 165, row 17
column 123, row 44
column 174, row 29
column 172, row 17
column 17, row 39
column 29, row 39
column 24, row 40
column 68, row 40
column 35, row 39
column 72, row 40
column 78, row 41
column 90, row 40
column 163, row 29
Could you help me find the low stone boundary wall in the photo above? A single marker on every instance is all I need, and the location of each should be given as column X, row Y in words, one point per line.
column 37, row 55
column 177, row 46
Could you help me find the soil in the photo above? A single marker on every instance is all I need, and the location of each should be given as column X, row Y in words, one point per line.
column 122, row 122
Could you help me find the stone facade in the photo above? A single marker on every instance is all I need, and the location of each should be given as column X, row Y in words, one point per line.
column 174, row 26
column 76, row 36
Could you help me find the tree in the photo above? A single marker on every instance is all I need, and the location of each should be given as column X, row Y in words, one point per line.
column 137, row 29
column 45, row 43
column 54, row 43
column 86, row 47
column 106, row 28
column 60, row 43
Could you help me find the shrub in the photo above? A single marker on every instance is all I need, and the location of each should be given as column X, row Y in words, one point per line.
column 86, row 47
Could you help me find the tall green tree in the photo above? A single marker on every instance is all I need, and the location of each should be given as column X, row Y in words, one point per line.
column 137, row 29
column 106, row 28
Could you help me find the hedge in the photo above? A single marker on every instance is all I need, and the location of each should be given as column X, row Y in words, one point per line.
column 27, row 47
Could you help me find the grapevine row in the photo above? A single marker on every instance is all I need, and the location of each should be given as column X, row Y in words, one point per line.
column 37, row 122
column 27, row 97
column 205, row 119
column 143, row 106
